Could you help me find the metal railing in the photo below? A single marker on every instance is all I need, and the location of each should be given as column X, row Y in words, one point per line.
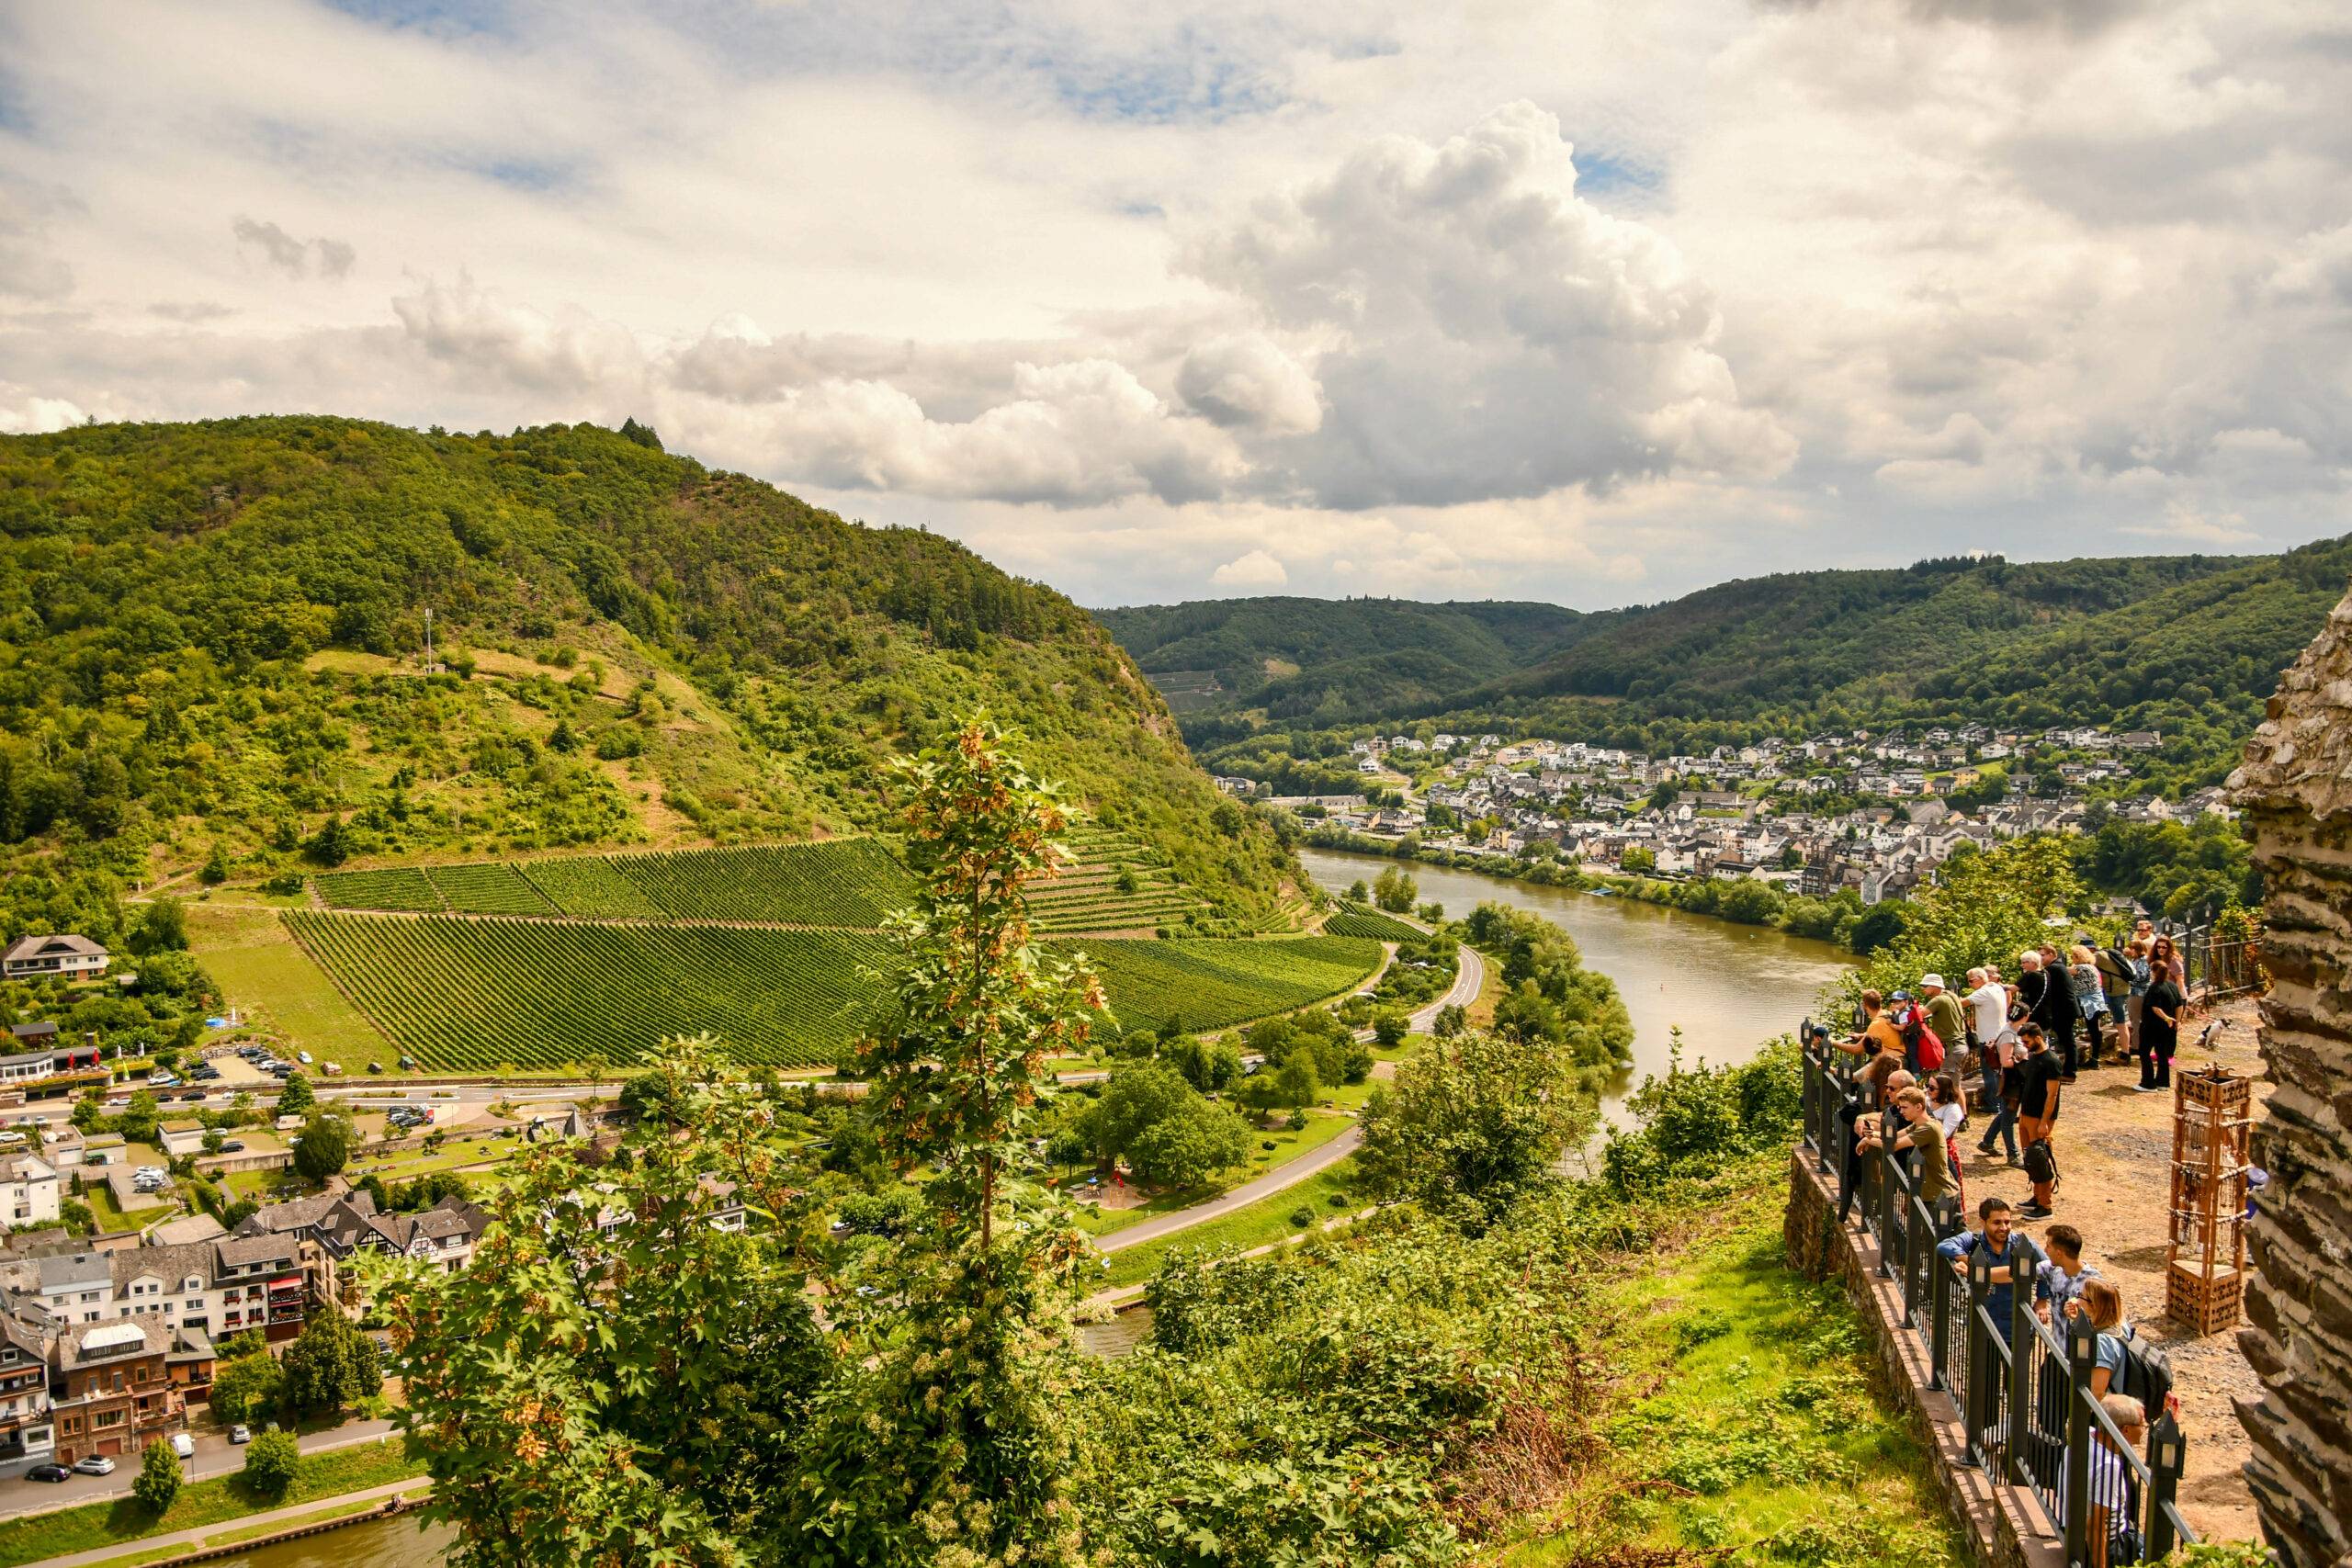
column 2112, row 1506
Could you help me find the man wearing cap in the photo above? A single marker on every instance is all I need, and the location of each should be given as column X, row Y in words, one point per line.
column 1946, row 1017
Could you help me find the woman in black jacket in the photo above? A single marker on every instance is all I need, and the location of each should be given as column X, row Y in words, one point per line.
column 2056, row 1011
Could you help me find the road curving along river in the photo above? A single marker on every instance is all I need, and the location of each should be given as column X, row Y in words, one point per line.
column 1729, row 987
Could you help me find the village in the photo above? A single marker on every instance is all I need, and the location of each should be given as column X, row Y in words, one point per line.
column 1873, row 814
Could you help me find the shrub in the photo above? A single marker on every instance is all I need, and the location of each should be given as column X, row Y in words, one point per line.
column 272, row 1461
column 1302, row 1217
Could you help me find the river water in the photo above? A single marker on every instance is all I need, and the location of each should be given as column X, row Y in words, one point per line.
column 1730, row 987
column 377, row 1543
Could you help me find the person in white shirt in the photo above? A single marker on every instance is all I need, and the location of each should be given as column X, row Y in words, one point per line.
column 1990, row 1002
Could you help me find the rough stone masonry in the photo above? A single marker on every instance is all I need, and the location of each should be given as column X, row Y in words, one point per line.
column 2296, row 790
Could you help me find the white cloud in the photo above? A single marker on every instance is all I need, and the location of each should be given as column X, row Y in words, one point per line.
column 1494, row 302
column 23, row 413
column 1254, row 572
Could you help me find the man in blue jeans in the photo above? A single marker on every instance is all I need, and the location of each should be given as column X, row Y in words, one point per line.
column 2002, row 1052
column 2014, row 1258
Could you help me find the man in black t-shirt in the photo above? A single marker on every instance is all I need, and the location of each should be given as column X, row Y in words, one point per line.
column 2038, row 1076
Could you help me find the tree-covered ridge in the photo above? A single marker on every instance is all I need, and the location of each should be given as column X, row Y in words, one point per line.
column 1298, row 656
column 2188, row 645
column 211, row 637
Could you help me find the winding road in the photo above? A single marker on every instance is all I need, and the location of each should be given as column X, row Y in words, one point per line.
column 1467, row 979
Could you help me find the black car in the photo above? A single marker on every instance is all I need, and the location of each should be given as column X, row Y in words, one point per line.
column 49, row 1472
column 234, row 1146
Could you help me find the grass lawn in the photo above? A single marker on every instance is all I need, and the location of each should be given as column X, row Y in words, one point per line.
column 95, row 1525
column 1321, row 1129
column 263, row 971
column 1757, row 1436
column 1267, row 1219
column 454, row 1155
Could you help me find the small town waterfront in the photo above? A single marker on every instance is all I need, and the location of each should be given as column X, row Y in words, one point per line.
column 1729, row 987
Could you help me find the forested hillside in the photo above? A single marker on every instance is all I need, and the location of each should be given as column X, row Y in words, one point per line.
column 2190, row 645
column 211, row 661
column 1331, row 659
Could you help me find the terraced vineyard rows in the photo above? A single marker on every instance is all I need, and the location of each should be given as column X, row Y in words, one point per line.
column 495, row 889
column 471, row 994
column 1118, row 884
column 843, row 881
column 403, row 887
column 1362, row 919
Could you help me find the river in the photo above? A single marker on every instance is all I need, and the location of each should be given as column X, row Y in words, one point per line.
column 1730, row 987
column 377, row 1543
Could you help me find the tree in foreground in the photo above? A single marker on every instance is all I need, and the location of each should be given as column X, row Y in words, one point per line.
column 158, row 1483
column 616, row 1380
column 957, row 1452
column 1473, row 1124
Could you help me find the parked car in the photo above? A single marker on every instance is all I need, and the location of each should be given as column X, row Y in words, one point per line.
column 48, row 1472
column 303, row 1057
column 240, row 1434
column 407, row 1064
column 183, row 1445
column 96, row 1465
column 233, row 1147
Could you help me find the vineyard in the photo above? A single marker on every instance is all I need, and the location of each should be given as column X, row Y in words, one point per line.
column 474, row 994
column 1362, row 919
column 850, row 883
column 1117, row 884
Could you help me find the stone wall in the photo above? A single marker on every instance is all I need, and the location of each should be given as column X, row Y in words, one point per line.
column 2296, row 789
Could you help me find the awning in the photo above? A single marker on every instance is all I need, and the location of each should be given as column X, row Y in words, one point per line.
column 289, row 1281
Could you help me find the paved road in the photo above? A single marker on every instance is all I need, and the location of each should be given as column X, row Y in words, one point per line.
column 1242, row 1197
column 188, row 1538
column 214, row 1458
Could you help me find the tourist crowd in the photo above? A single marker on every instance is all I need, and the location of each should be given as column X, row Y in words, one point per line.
column 2007, row 1048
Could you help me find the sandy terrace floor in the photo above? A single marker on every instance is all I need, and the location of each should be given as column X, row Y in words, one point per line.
column 2114, row 1154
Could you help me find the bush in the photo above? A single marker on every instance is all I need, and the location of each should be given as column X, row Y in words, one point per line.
column 159, row 1478
column 272, row 1461
column 1302, row 1218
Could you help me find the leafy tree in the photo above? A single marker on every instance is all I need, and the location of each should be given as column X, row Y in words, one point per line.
column 1471, row 1126
column 216, row 868
column 1638, row 860
column 1358, row 893
column 326, row 1147
column 332, row 1366
column 661, row 1095
column 295, row 1097
column 246, row 1387
column 272, row 1461
column 1989, row 905
column 1388, row 1029
column 961, row 1441
column 1451, row 1021
column 139, row 1118
column 1150, row 1116
column 158, row 1482
column 1208, row 1066
column 331, row 845
column 162, row 928
column 1395, row 890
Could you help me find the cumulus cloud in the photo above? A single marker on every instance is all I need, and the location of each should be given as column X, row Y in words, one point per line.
column 1493, row 333
column 1073, row 434
column 281, row 251
column 23, row 413
column 1254, row 572
column 1244, row 380
column 479, row 332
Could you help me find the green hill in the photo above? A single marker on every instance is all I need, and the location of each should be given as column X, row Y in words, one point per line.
column 2190, row 645
column 212, row 650
column 1331, row 659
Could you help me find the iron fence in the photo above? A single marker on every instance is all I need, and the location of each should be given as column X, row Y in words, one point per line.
column 2023, row 1386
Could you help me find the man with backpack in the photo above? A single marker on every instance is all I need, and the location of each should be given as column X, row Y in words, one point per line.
column 2039, row 1077
column 2115, row 981
column 1946, row 1019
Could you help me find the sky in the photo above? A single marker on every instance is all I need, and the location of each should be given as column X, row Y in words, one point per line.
column 1583, row 302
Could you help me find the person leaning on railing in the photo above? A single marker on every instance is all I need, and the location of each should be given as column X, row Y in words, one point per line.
column 1919, row 1131
column 2013, row 1254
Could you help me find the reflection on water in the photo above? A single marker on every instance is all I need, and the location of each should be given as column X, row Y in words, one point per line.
column 377, row 1543
column 1122, row 1334
column 1729, row 987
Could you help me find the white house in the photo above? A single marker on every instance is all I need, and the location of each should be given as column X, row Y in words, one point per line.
column 64, row 956
column 28, row 1190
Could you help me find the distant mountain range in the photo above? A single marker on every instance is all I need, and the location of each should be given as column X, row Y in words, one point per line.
column 2187, row 645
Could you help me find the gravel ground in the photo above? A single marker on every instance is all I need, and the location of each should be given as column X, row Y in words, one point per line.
column 2114, row 1152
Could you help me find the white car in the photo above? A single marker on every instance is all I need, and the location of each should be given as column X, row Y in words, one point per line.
column 183, row 1445
column 241, row 1434
column 96, row 1465
column 303, row 1057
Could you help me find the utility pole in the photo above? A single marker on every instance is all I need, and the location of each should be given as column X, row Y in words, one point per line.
column 430, row 667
